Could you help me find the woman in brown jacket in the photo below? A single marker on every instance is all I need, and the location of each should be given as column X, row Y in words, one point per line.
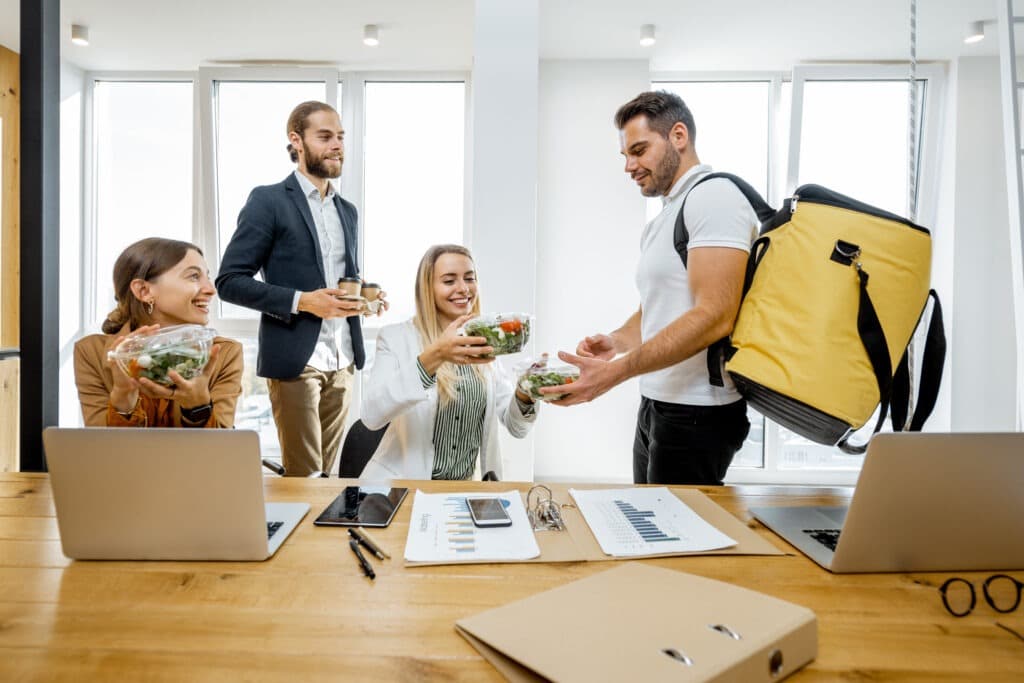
column 158, row 282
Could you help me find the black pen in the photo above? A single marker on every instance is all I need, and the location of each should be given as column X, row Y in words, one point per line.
column 365, row 542
column 367, row 569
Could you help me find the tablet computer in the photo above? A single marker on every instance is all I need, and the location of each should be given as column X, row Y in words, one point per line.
column 363, row 506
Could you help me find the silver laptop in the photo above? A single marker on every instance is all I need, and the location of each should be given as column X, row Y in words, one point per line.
column 164, row 494
column 923, row 502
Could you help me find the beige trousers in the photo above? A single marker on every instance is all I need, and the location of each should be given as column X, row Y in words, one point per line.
column 309, row 412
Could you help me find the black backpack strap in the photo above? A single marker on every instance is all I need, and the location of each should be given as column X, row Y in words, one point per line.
column 873, row 337
column 681, row 235
column 902, row 388
column 932, row 361
column 681, row 238
column 931, row 376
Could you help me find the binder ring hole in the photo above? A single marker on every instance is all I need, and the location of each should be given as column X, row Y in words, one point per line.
column 725, row 631
column 678, row 656
column 775, row 663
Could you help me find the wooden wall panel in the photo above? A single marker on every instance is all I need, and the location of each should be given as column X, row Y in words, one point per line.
column 9, row 417
column 10, row 112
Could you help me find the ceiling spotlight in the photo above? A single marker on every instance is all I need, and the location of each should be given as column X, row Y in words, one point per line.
column 975, row 32
column 79, row 34
column 370, row 35
column 647, row 35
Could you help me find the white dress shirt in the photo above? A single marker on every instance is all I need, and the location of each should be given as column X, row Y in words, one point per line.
column 333, row 350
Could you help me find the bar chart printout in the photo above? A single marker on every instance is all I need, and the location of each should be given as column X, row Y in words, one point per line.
column 441, row 530
column 647, row 521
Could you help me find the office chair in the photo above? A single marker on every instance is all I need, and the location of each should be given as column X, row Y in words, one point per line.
column 359, row 446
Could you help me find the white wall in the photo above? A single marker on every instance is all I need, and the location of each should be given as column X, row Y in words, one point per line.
column 589, row 221
column 982, row 325
column 72, row 86
column 502, row 171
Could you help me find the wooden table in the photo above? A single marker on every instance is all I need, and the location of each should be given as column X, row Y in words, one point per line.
column 308, row 614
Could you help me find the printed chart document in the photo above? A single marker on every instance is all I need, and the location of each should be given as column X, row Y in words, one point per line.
column 645, row 521
column 440, row 529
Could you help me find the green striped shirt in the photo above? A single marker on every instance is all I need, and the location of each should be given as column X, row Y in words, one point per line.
column 459, row 426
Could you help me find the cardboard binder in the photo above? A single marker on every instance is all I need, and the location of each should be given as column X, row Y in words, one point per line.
column 578, row 544
column 643, row 623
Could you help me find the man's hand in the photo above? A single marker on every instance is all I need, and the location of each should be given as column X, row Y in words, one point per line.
column 597, row 376
column 326, row 304
column 600, row 346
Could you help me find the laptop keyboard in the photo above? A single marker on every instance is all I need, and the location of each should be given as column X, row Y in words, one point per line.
column 827, row 537
column 272, row 528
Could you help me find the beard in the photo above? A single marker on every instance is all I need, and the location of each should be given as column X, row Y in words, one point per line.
column 318, row 167
column 663, row 175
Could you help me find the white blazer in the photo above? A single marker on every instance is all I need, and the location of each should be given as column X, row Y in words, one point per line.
column 395, row 394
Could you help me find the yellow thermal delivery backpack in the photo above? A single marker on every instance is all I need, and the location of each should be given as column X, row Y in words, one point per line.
column 835, row 289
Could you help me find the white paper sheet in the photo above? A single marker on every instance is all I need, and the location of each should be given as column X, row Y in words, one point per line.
column 440, row 529
column 645, row 521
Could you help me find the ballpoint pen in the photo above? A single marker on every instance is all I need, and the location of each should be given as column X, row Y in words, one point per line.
column 371, row 543
column 367, row 569
column 367, row 543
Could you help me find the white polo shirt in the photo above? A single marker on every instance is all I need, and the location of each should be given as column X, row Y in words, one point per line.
column 717, row 215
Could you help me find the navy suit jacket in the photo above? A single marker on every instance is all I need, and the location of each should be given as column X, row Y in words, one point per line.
column 276, row 237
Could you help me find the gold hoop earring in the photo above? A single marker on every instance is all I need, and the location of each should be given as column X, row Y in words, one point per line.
column 149, row 308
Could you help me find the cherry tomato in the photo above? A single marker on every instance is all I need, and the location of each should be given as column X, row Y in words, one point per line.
column 133, row 368
column 511, row 326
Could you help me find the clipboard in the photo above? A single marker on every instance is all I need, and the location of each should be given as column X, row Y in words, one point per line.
column 578, row 544
column 637, row 622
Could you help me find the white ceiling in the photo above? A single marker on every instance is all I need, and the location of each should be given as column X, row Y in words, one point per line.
column 437, row 34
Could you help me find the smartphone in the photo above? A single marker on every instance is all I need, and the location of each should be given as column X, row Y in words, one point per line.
column 488, row 512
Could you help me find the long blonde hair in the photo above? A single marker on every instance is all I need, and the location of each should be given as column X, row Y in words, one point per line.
column 426, row 320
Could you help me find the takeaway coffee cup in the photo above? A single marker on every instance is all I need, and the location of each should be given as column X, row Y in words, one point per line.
column 370, row 291
column 350, row 285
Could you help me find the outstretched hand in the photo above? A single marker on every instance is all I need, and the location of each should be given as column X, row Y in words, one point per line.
column 597, row 376
column 599, row 346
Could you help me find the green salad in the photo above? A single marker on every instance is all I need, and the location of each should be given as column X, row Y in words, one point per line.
column 187, row 361
column 505, row 335
column 534, row 379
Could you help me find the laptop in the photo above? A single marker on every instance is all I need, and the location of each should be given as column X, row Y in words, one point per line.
column 164, row 494
column 923, row 502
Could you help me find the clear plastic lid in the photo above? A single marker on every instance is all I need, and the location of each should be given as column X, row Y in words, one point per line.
column 183, row 348
column 506, row 332
column 542, row 373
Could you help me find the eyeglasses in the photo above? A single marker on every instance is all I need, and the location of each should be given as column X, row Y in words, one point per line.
column 1002, row 593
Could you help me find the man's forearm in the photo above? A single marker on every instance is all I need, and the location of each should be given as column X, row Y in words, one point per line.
column 689, row 334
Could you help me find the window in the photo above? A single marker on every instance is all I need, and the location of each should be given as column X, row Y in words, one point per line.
column 142, row 152
column 251, row 118
column 413, row 182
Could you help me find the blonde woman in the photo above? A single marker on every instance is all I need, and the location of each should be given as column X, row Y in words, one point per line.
column 440, row 393
column 158, row 282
